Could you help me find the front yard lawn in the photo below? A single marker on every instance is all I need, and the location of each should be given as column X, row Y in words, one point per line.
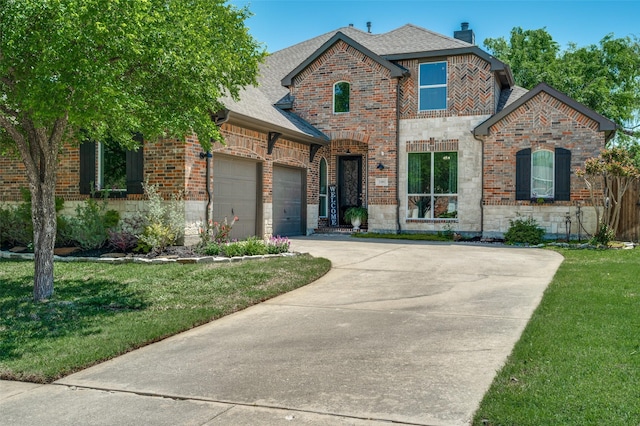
column 100, row 310
column 578, row 360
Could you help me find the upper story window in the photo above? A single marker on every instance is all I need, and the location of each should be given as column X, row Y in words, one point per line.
column 433, row 86
column 341, row 94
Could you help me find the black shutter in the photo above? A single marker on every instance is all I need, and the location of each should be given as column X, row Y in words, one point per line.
column 87, row 167
column 135, row 168
column 562, row 175
column 523, row 174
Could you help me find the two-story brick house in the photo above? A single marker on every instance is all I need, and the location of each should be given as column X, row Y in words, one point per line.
column 427, row 131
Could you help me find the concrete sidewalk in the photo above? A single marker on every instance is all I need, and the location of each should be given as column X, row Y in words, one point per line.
column 397, row 331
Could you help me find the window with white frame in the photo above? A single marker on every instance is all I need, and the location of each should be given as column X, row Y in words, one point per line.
column 542, row 173
column 433, row 86
column 323, row 188
column 341, row 95
column 432, row 185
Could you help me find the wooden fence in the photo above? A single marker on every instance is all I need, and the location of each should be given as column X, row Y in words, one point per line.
column 629, row 225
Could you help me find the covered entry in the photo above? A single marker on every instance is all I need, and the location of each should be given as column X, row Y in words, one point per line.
column 235, row 191
column 289, row 203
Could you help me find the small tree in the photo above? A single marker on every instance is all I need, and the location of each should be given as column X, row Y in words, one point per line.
column 615, row 170
column 106, row 68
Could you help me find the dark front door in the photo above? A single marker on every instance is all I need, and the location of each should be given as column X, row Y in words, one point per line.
column 349, row 183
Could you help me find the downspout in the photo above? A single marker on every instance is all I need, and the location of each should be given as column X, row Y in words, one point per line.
column 481, row 184
column 219, row 118
column 398, row 223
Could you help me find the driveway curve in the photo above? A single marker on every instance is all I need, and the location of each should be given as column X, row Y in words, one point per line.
column 397, row 331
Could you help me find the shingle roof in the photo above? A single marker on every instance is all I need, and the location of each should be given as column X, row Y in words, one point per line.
column 258, row 103
column 509, row 96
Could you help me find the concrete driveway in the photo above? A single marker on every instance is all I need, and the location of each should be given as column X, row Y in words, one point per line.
column 397, row 331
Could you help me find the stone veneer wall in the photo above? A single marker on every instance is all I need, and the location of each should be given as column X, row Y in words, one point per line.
column 445, row 134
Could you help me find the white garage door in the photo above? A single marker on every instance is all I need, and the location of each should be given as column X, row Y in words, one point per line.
column 235, row 188
column 288, row 201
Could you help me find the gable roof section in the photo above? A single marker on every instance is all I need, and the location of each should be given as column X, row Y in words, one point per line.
column 395, row 70
column 604, row 124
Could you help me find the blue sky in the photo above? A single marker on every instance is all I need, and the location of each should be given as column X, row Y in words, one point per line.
column 282, row 23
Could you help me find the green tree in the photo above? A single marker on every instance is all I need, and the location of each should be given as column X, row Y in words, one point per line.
column 604, row 77
column 109, row 68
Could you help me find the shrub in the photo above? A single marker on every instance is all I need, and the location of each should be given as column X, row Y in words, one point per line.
column 254, row 247
column 124, row 237
column 156, row 238
column 524, row 231
column 211, row 249
column 604, row 235
column 277, row 245
column 216, row 232
column 89, row 228
column 164, row 221
column 234, row 249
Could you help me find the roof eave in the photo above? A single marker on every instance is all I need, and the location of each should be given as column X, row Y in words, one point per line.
column 604, row 124
column 263, row 126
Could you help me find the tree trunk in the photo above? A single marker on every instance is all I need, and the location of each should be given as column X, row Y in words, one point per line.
column 43, row 211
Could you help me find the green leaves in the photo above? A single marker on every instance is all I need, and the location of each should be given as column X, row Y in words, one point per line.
column 150, row 66
column 604, row 77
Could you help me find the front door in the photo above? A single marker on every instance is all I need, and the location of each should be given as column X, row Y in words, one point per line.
column 349, row 183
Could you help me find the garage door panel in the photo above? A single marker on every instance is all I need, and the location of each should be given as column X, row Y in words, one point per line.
column 288, row 205
column 234, row 194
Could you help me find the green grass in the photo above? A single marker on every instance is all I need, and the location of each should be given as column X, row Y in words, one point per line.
column 578, row 360
column 100, row 311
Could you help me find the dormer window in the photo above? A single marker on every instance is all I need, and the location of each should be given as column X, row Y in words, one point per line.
column 433, row 86
column 341, row 92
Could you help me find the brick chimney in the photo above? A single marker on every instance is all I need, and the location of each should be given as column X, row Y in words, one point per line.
column 465, row 34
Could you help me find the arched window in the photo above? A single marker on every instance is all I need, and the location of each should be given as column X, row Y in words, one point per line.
column 323, row 188
column 341, row 93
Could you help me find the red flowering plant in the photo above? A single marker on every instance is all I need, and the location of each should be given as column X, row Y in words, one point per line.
column 217, row 233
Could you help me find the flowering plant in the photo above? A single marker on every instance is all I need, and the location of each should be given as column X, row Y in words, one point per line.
column 217, row 232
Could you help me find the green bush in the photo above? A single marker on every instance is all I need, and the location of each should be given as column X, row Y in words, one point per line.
column 524, row 231
column 165, row 221
column 233, row 249
column 90, row 226
column 254, row 247
column 604, row 235
column 211, row 249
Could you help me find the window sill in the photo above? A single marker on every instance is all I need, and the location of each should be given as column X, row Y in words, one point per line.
column 542, row 200
column 110, row 194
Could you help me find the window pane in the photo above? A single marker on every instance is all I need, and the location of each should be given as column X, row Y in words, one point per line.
column 419, row 181
column 433, row 73
column 419, row 208
column 542, row 174
column 323, row 176
column 114, row 166
column 446, row 208
column 323, row 206
column 433, row 98
column 341, row 97
column 445, row 172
